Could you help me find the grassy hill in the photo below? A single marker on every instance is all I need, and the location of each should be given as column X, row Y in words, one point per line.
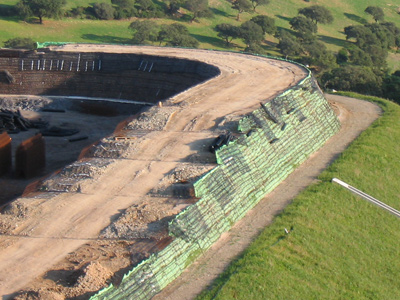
column 116, row 31
column 340, row 247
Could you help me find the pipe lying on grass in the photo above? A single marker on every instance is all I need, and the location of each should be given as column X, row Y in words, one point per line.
column 367, row 197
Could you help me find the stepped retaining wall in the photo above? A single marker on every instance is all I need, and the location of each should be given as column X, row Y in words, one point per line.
column 276, row 139
column 107, row 75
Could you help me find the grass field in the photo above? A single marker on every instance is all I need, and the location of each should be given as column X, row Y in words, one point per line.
column 340, row 247
column 345, row 13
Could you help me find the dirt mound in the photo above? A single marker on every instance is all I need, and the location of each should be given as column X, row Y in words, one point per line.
column 156, row 118
column 15, row 213
column 42, row 294
column 24, row 103
column 144, row 221
column 94, row 276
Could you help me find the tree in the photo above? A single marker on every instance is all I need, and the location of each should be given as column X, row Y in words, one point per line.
column 123, row 3
column 176, row 35
column 103, row 11
column 395, row 32
column 251, row 33
column 288, row 45
column 40, row 8
column 363, row 35
column 378, row 56
column 319, row 56
column 256, row 3
column 20, row 43
column 391, row 87
column 376, row 12
column 173, row 7
column 199, row 8
column 241, row 6
column 254, row 48
column 353, row 78
column 359, row 57
column 228, row 32
column 266, row 23
column 317, row 13
column 305, row 28
column 145, row 7
column 145, row 30
column 124, row 8
column 342, row 56
column 384, row 34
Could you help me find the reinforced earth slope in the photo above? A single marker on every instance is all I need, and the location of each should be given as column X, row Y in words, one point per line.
column 271, row 141
column 276, row 138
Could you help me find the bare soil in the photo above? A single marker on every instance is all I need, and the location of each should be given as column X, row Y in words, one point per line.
column 71, row 244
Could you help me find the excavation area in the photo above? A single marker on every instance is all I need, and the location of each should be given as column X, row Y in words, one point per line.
column 66, row 126
column 104, row 205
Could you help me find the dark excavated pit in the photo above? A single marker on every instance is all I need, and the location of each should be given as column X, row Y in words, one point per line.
column 112, row 81
column 91, row 120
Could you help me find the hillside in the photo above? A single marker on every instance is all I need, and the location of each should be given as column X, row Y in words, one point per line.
column 116, row 31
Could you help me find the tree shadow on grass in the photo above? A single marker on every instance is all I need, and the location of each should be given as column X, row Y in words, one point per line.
column 219, row 12
column 14, row 19
column 332, row 40
column 279, row 29
column 106, row 39
column 210, row 40
column 284, row 18
column 356, row 18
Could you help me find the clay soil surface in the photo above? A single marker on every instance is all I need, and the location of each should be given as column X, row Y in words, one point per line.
column 71, row 244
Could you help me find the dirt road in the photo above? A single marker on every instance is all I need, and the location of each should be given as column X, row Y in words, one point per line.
column 59, row 225
column 355, row 116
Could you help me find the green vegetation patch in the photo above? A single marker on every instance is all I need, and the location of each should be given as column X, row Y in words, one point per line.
column 339, row 245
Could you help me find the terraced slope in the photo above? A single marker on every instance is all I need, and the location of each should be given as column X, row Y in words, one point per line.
column 63, row 223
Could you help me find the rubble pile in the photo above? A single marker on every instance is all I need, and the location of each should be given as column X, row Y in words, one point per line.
column 14, row 122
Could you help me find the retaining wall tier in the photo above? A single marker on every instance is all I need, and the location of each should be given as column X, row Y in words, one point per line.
column 107, row 75
column 277, row 137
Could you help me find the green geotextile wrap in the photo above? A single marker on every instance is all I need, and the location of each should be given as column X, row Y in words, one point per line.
column 48, row 44
column 277, row 138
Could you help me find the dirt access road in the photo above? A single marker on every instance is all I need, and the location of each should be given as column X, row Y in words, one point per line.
column 355, row 116
column 65, row 222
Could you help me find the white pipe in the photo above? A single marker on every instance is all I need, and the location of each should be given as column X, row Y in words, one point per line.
column 78, row 63
column 367, row 197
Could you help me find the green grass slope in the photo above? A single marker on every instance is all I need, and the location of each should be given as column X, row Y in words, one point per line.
column 341, row 247
column 345, row 13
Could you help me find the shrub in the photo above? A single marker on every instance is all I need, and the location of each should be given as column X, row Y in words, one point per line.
column 20, row 43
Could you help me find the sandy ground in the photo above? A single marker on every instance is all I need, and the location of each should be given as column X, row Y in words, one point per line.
column 355, row 116
column 65, row 222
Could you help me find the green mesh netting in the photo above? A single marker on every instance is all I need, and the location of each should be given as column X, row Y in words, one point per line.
column 276, row 139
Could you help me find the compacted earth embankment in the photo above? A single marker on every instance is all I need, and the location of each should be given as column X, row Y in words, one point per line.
column 73, row 237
